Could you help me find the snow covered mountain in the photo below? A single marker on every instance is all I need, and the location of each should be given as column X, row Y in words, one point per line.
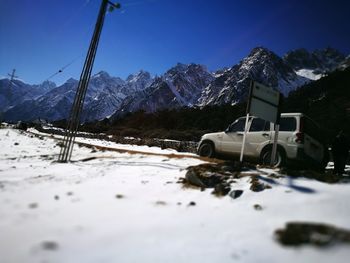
column 14, row 93
column 45, row 86
column 345, row 64
column 138, row 81
column 315, row 64
column 52, row 105
column 103, row 96
column 232, row 85
column 181, row 86
column 109, row 92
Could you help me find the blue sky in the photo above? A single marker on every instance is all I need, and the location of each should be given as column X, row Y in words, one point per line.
column 39, row 37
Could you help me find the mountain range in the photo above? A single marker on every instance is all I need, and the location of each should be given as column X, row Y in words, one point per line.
column 181, row 86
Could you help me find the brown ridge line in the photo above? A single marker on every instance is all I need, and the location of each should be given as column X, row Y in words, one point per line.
column 168, row 155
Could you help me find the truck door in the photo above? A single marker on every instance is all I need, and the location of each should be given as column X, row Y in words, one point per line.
column 259, row 134
column 233, row 137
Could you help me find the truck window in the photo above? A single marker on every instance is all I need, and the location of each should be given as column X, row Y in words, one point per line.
column 237, row 126
column 259, row 125
column 288, row 124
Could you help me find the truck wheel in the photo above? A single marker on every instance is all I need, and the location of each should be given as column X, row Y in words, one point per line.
column 265, row 158
column 206, row 150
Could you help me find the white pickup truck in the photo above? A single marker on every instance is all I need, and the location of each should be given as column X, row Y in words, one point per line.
column 299, row 139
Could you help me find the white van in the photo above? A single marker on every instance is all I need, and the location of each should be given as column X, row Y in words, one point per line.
column 299, row 139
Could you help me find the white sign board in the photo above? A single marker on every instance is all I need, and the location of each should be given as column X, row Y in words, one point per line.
column 264, row 102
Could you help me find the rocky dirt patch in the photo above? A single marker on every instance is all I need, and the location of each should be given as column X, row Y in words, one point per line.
column 49, row 245
column 257, row 186
column 220, row 177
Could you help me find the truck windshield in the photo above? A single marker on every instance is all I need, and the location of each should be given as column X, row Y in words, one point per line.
column 237, row 126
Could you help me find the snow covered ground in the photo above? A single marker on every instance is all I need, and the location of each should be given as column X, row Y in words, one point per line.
column 124, row 207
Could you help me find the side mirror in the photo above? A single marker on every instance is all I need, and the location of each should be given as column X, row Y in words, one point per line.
column 228, row 129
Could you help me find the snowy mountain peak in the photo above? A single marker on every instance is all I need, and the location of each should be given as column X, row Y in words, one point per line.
column 101, row 74
column 300, row 59
column 48, row 82
column 317, row 62
column 140, row 75
column 47, row 85
column 139, row 81
column 180, row 86
column 260, row 51
column 197, row 67
column 330, row 53
column 329, row 58
column 261, row 55
column 345, row 64
column 179, row 67
column 103, row 79
column 71, row 81
column 262, row 65
column 184, row 69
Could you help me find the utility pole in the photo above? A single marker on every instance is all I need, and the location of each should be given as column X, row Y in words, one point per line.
column 74, row 117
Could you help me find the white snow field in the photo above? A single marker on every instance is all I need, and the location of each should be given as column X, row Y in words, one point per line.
column 123, row 207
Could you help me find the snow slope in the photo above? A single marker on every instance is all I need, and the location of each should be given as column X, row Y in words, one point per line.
column 129, row 208
column 308, row 73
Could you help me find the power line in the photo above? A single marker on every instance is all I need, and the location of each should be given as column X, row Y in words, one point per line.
column 63, row 68
column 65, row 24
column 69, row 20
